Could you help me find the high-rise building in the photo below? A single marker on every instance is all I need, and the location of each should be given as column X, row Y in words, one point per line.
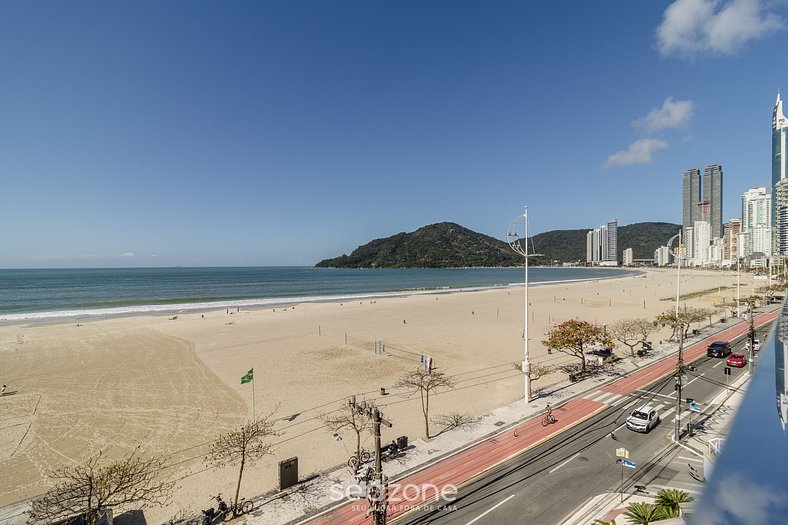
column 612, row 242
column 779, row 172
column 756, row 217
column 702, row 240
column 691, row 197
column 730, row 240
column 602, row 245
column 712, row 193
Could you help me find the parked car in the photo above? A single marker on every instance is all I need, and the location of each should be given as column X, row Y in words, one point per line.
column 601, row 352
column 643, row 419
column 719, row 349
column 738, row 360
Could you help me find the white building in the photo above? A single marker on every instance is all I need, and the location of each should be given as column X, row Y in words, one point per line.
column 602, row 245
column 701, row 231
column 662, row 256
column 756, row 217
column 629, row 257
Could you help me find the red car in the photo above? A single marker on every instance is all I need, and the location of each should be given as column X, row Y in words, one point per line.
column 736, row 360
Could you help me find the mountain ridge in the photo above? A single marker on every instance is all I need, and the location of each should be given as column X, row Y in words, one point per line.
column 450, row 245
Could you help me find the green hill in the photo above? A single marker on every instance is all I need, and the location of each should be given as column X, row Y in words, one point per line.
column 442, row 245
column 449, row 245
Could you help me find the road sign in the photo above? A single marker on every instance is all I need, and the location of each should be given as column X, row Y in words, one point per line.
column 622, row 453
column 628, row 463
column 695, row 408
column 727, row 370
column 690, row 400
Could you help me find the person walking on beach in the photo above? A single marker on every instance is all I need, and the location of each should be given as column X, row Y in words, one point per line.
column 2, row 391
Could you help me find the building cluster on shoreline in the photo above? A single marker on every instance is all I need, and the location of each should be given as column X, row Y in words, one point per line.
column 756, row 239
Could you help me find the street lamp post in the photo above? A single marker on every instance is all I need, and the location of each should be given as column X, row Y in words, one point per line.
column 520, row 245
column 678, row 254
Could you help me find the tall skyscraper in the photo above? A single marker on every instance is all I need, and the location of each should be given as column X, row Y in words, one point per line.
column 612, row 241
column 712, row 193
column 779, row 172
column 691, row 197
column 756, row 215
column 602, row 245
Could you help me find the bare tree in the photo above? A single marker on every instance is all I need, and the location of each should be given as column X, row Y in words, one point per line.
column 573, row 337
column 452, row 421
column 350, row 416
column 683, row 321
column 245, row 444
column 537, row 371
column 425, row 382
column 88, row 489
column 630, row 332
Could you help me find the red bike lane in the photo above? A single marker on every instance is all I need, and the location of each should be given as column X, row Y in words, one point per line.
column 462, row 467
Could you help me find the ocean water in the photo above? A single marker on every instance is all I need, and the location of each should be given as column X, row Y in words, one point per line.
column 29, row 295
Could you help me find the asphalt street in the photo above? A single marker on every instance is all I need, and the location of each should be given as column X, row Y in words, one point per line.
column 544, row 484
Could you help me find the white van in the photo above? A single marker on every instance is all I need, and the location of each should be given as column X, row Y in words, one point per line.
column 643, row 419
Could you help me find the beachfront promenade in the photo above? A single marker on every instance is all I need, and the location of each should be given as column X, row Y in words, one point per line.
column 471, row 463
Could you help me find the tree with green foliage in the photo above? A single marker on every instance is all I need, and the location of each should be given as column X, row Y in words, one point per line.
column 574, row 337
column 671, row 499
column 642, row 513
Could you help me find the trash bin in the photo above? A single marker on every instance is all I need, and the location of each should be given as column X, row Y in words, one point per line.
column 722, row 319
column 402, row 442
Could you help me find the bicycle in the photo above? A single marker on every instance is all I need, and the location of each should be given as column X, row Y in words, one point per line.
column 354, row 462
column 244, row 506
column 548, row 418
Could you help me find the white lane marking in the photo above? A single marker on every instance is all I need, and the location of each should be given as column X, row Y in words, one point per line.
column 696, row 378
column 669, row 396
column 619, row 401
column 480, row 516
column 564, row 463
column 718, row 364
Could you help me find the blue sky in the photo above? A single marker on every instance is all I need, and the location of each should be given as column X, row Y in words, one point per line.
column 280, row 133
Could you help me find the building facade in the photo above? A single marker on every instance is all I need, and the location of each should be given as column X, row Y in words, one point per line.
column 662, row 256
column 712, row 193
column 602, row 245
column 628, row 257
column 779, row 173
column 690, row 197
column 756, row 217
column 730, row 241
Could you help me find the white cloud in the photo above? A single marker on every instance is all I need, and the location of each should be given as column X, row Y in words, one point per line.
column 672, row 114
column 764, row 504
column 127, row 254
column 691, row 28
column 639, row 152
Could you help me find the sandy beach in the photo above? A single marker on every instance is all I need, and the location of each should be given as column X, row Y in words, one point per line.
column 172, row 385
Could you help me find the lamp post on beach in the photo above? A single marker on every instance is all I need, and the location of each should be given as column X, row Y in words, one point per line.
column 518, row 240
column 678, row 254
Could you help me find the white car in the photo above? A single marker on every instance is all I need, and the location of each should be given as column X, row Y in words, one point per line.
column 643, row 419
column 756, row 345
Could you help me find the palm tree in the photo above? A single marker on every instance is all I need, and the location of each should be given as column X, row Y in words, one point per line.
column 642, row 513
column 664, row 513
column 672, row 499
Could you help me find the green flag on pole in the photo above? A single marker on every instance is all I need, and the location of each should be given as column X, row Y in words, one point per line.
column 248, row 377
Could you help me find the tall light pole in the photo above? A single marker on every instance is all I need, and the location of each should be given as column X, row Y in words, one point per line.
column 678, row 254
column 518, row 240
column 738, row 285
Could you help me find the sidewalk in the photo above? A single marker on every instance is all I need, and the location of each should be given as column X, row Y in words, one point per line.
column 448, row 458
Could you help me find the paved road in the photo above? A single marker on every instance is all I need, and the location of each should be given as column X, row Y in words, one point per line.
column 544, row 484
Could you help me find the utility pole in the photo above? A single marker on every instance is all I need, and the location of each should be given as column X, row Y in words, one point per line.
column 750, row 304
column 378, row 498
